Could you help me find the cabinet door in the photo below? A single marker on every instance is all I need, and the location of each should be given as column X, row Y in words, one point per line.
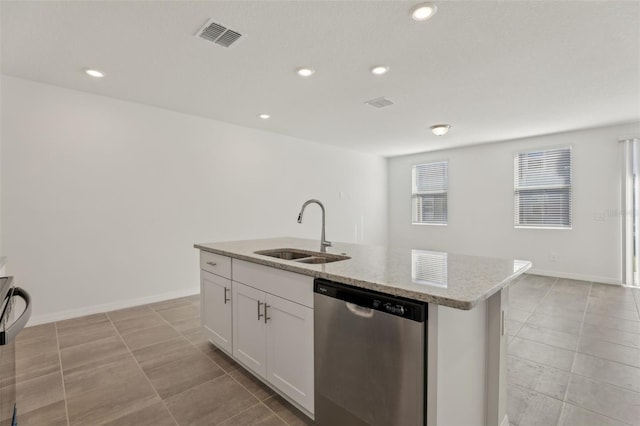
column 249, row 336
column 290, row 349
column 216, row 309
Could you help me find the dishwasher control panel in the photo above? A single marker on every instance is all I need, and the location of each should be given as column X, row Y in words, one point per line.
column 409, row 309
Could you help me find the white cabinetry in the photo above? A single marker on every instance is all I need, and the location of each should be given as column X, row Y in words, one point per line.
column 249, row 332
column 290, row 349
column 215, row 294
column 267, row 325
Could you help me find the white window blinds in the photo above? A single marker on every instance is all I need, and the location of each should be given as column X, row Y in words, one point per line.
column 429, row 193
column 543, row 188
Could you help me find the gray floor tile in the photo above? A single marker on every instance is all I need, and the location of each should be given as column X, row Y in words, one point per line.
column 211, row 402
column 170, row 304
column 142, row 322
column 517, row 315
column 149, row 336
column 610, row 401
column 615, row 312
column 50, row 415
column 529, row 408
column 77, row 331
column 39, row 392
column 37, row 332
column 188, row 325
column 550, row 337
column 33, row 366
column 95, row 353
column 607, row 371
column 611, row 351
column 259, row 414
column 153, row 415
column 611, row 335
column 576, row 287
column 540, row 378
column 611, row 322
column 513, row 327
column 290, row 414
column 129, row 313
column 175, row 366
column 542, row 354
column 576, row 416
column 554, row 322
column 180, row 313
column 100, row 395
column 252, row 384
column 558, row 309
column 81, row 323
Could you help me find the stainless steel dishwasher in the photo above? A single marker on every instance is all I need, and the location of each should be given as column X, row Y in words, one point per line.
column 370, row 357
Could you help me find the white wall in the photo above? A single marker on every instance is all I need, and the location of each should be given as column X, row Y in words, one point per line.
column 481, row 205
column 103, row 199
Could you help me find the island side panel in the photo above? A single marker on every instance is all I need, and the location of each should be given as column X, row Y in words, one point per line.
column 458, row 367
column 497, row 307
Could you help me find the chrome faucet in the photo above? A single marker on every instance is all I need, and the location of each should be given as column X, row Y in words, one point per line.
column 323, row 242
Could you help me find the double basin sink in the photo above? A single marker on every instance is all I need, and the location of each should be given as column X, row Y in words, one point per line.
column 302, row 256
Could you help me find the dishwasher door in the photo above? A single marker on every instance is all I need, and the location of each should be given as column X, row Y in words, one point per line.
column 370, row 357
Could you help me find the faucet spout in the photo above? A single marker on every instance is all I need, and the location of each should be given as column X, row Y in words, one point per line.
column 323, row 242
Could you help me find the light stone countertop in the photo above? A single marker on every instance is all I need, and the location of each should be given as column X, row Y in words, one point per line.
column 448, row 279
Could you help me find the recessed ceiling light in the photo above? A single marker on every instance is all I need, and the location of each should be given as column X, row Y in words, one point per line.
column 379, row 70
column 94, row 73
column 423, row 11
column 305, row 71
column 264, row 116
column 440, row 129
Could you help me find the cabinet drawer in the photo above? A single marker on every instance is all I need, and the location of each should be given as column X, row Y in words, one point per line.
column 215, row 263
column 288, row 285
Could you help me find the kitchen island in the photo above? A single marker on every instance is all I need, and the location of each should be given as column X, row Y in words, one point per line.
column 466, row 297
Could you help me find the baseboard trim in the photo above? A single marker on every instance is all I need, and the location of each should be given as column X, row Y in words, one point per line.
column 571, row 276
column 121, row 304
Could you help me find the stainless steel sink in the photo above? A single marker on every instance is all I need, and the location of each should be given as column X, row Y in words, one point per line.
column 302, row 256
column 323, row 259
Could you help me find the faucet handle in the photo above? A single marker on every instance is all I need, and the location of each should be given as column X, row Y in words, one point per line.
column 327, row 243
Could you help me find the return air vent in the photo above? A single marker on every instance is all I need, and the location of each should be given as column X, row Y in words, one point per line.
column 380, row 102
column 219, row 34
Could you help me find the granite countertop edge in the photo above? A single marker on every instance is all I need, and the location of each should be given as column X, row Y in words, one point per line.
column 462, row 304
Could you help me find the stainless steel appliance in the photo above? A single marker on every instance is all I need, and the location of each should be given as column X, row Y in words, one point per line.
column 15, row 310
column 370, row 357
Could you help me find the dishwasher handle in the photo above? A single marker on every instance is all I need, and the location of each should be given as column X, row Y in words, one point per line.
column 359, row 311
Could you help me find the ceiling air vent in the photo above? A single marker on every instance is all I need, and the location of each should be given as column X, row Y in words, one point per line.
column 380, row 102
column 218, row 34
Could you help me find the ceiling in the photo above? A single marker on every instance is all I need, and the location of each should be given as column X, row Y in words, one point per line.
column 493, row 70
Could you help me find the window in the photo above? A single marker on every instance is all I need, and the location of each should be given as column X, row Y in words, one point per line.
column 430, row 184
column 543, row 188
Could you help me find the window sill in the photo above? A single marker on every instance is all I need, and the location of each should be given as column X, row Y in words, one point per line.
column 431, row 224
column 565, row 228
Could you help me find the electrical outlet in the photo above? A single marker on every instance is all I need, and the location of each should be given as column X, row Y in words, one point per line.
column 553, row 257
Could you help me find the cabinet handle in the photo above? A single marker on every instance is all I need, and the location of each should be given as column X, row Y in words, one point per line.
column 212, row 263
column 266, row 318
column 225, row 296
column 259, row 314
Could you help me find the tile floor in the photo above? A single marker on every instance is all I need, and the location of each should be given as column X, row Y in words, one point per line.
column 574, row 353
column 148, row 365
column 574, row 359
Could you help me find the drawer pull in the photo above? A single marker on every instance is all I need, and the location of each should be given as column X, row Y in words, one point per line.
column 225, row 295
column 266, row 318
column 211, row 263
column 259, row 314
